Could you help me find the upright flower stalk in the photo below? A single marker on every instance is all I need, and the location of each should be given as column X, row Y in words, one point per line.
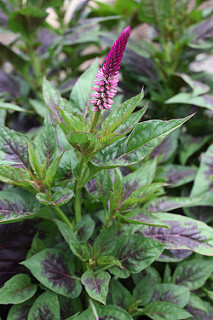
column 106, row 85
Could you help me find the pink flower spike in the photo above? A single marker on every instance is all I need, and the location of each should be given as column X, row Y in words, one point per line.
column 107, row 75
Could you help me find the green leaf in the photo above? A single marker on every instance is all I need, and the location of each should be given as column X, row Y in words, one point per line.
column 17, row 204
column 117, row 117
column 85, row 228
column 202, row 187
column 13, row 148
column 154, row 12
column 193, row 274
column 16, row 176
column 70, row 122
column 142, row 194
column 208, row 293
column 96, row 284
column 51, row 171
column 108, row 261
column 197, row 303
column 105, row 242
column 160, row 310
column 104, row 312
column 46, row 144
column 167, row 148
column 58, row 198
column 46, row 307
column 27, row 20
column 44, row 4
column 124, row 300
column 167, row 275
column 67, row 166
column 130, row 122
column 80, row 250
column 19, row 63
column 39, row 107
column 85, row 142
column 197, row 87
column 179, row 295
column 53, row 270
column 189, row 145
column 135, row 253
column 151, row 272
column 81, row 91
column 104, row 185
column 205, row 101
column 12, row 107
column 142, row 217
column 34, row 162
column 183, row 233
column 143, row 291
column 140, row 177
column 54, row 101
column 17, row 290
column 140, row 142
column 112, row 312
column 20, row 311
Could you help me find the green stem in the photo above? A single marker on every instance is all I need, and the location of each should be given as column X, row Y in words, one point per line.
column 94, row 311
column 36, row 67
column 77, row 204
column 64, row 217
column 78, row 187
column 138, row 313
column 35, row 64
column 95, row 120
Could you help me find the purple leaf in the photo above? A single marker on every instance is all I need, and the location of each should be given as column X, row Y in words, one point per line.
column 46, row 38
column 164, row 204
column 51, row 268
column 199, row 308
column 14, row 148
column 96, row 284
column 135, row 253
column 45, row 307
column 18, row 289
column 200, row 213
column 183, row 233
column 20, row 311
column 200, row 314
column 175, row 175
column 17, row 204
column 143, row 217
column 165, row 150
column 9, row 85
column 192, row 273
column 176, row 294
column 161, row 310
column 203, row 30
column 174, row 255
column 15, row 240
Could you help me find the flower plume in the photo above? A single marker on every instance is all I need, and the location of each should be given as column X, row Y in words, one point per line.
column 107, row 75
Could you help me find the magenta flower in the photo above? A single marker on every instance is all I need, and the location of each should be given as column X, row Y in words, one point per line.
column 107, row 75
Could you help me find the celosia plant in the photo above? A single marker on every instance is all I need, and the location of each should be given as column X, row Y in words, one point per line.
column 108, row 75
column 95, row 226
